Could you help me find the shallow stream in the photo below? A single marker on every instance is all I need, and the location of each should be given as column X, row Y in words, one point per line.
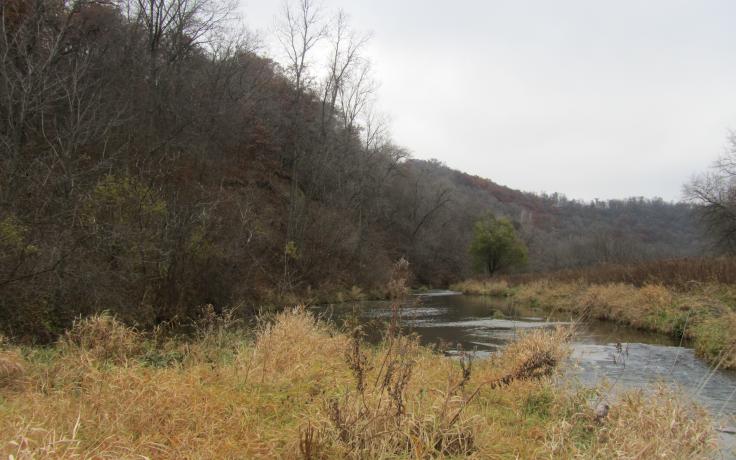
column 625, row 357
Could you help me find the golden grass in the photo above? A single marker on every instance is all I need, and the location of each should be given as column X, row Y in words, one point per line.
column 704, row 313
column 301, row 389
column 498, row 288
column 12, row 367
column 295, row 346
column 102, row 337
column 657, row 424
column 32, row 442
column 676, row 273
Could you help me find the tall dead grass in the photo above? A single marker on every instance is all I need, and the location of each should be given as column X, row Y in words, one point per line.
column 676, row 273
column 491, row 287
column 12, row 367
column 30, row 442
column 295, row 345
column 704, row 313
column 102, row 337
column 661, row 423
column 297, row 389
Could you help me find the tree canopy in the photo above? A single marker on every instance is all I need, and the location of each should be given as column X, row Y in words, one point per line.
column 496, row 246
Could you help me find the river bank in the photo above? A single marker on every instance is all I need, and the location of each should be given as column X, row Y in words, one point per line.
column 702, row 313
column 296, row 387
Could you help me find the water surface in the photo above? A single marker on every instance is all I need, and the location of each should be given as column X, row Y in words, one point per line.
column 624, row 357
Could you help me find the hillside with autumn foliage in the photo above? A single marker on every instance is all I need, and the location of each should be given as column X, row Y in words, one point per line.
column 154, row 159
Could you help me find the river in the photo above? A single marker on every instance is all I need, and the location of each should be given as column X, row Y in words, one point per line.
column 625, row 357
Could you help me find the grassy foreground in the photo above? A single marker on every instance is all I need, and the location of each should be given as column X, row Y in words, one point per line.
column 298, row 388
column 703, row 313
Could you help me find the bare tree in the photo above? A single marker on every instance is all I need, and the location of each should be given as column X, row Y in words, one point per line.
column 299, row 29
column 715, row 193
column 175, row 28
column 339, row 155
column 345, row 57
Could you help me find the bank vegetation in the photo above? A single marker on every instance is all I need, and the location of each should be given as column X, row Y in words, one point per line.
column 690, row 299
column 298, row 388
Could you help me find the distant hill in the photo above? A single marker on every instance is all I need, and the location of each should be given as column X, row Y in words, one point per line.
column 560, row 233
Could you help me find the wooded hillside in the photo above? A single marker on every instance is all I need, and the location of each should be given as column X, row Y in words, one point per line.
column 152, row 160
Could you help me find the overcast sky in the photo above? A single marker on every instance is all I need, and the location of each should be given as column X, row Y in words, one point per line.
column 593, row 99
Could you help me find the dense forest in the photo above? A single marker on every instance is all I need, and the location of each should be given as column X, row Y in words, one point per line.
column 153, row 159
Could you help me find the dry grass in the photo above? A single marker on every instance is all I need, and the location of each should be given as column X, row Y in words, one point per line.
column 102, row 337
column 657, row 424
column 407, row 401
column 32, row 442
column 676, row 273
column 498, row 288
column 299, row 389
column 552, row 343
column 295, row 345
column 716, row 340
column 12, row 368
column 705, row 313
